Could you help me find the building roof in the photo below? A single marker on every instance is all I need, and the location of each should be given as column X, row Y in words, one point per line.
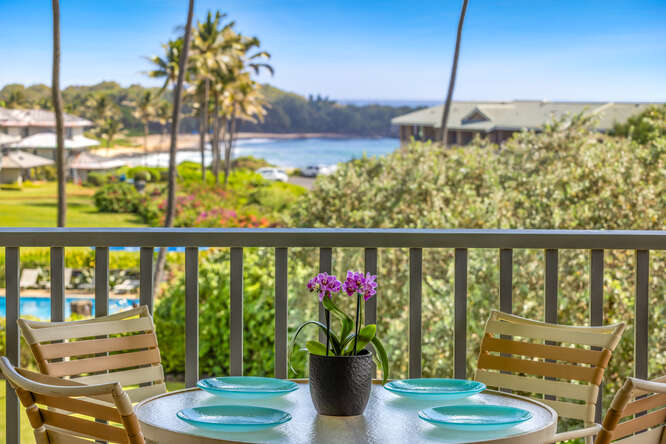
column 22, row 160
column 37, row 117
column 6, row 139
column 48, row 141
column 517, row 114
column 88, row 161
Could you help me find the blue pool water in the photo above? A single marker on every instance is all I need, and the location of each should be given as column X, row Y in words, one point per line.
column 41, row 307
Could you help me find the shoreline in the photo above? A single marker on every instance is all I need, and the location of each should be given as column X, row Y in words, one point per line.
column 158, row 143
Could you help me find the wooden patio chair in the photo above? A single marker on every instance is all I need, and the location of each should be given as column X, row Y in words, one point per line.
column 559, row 362
column 118, row 348
column 635, row 397
column 60, row 400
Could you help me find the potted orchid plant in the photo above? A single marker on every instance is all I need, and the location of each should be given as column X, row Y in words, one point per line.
column 341, row 369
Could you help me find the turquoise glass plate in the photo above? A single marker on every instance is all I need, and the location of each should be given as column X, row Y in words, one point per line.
column 435, row 389
column 234, row 418
column 475, row 417
column 247, row 387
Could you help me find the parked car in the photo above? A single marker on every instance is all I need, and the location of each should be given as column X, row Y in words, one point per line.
column 316, row 170
column 273, row 174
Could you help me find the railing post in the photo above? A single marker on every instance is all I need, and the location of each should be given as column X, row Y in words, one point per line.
column 13, row 344
column 550, row 284
column 57, row 284
column 506, row 280
column 597, row 308
column 415, row 298
column 101, row 281
column 236, row 312
column 371, row 304
column 281, row 310
column 191, row 316
column 325, row 266
column 460, row 315
column 146, row 277
column 641, row 314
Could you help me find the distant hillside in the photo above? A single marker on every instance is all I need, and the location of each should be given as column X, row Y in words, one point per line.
column 287, row 112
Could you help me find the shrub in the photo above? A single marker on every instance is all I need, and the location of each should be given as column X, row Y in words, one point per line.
column 142, row 175
column 97, row 179
column 249, row 163
column 45, row 173
column 11, row 187
column 258, row 300
column 567, row 177
column 116, row 198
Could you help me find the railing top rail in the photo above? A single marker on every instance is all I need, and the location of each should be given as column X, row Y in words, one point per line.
column 333, row 237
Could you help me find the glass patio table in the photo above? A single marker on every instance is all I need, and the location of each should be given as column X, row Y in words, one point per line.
column 387, row 419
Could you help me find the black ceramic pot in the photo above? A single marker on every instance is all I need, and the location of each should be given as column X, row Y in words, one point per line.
column 340, row 385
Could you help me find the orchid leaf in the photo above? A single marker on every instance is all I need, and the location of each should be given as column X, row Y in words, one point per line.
column 335, row 342
column 383, row 358
column 316, row 348
column 365, row 335
column 347, row 322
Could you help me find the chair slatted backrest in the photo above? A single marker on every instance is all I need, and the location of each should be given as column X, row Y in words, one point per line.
column 63, row 411
column 642, row 405
column 118, row 348
column 536, row 358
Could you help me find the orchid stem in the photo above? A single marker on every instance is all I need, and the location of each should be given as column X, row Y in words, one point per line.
column 358, row 311
column 328, row 329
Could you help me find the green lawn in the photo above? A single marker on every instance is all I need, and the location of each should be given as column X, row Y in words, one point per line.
column 26, row 429
column 36, row 206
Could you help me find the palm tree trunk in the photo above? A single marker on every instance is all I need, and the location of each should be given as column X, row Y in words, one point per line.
column 443, row 136
column 145, row 143
column 57, row 106
column 175, row 120
column 203, row 129
column 227, row 151
column 216, row 139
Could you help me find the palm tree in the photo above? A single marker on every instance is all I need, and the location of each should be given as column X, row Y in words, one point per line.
column 245, row 102
column 177, row 94
column 162, row 114
column 443, row 136
column 59, row 118
column 209, row 54
column 108, row 130
column 145, row 111
column 167, row 67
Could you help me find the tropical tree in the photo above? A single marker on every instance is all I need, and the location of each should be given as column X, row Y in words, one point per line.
column 242, row 98
column 167, row 67
column 175, row 119
column 145, row 110
column 443, row 136
column 162, row 114
column 245, row 102
column 59, row 116
column 108, row 129
column 106, row 115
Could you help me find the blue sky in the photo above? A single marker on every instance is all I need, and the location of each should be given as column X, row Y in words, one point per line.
column 537, row 49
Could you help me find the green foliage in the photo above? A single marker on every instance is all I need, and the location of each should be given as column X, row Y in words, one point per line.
column 45, row 173
column 97, row 178
column 644, row 127
column 116, row 198
column 249, row 163
column 258, row 300
column 567, row 177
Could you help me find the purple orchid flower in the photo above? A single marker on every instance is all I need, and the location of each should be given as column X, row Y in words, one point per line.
column 325, row 285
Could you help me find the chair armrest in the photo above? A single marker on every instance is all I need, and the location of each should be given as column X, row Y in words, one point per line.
column 573, row 434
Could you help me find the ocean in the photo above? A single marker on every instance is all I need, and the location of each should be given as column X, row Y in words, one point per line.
column 288, row 153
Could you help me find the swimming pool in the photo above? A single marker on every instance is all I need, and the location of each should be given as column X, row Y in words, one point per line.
column 41, row 307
